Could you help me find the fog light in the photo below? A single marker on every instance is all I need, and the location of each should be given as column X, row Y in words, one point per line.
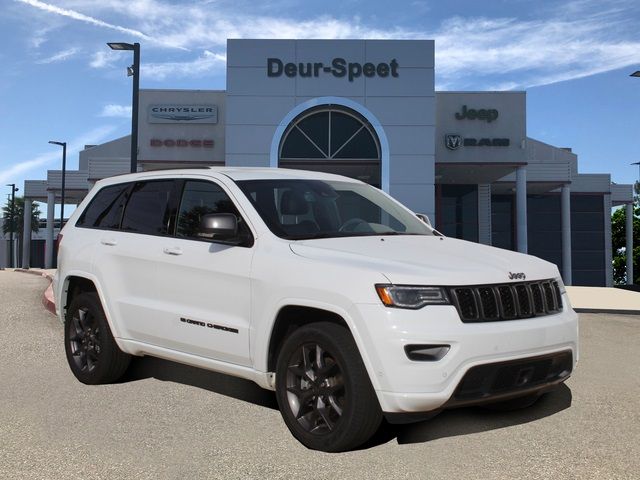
column 426, row 353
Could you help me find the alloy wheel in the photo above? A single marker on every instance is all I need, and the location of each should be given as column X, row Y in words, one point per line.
column 315, row 389
column 84, row 340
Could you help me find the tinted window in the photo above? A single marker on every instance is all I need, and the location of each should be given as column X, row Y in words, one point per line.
column 587, row 240
column 458, row 215
column 148, row 209
column 105, row 210
column 544, row 227
column 203, row 198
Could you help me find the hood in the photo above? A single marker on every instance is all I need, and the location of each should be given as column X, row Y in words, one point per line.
column 427, row 260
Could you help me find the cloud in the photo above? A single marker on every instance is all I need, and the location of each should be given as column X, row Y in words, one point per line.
column 533, row 52
column 205, row 63
column 551, row 44
column 60, row 56
column 101, row 59
column 75, row 15
column 94, row 136
column 118, row 111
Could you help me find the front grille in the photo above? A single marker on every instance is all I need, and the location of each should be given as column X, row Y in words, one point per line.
column 485, row 381
column 488, row 303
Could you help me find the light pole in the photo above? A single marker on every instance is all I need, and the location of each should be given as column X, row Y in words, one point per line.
column 133, row 71
column 637, row 163
column 12, row 221
column 64, row 171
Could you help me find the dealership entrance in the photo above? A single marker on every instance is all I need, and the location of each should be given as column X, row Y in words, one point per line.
column 332, row 139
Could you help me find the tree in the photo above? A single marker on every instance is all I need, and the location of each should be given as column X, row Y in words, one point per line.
column 17, row 220
column 618, row 241
column 18, row 217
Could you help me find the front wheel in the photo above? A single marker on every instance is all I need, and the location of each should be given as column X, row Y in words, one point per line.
column 323, row 389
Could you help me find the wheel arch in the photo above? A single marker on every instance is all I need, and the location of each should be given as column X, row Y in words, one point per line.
column 288, row 318
column 79, row 282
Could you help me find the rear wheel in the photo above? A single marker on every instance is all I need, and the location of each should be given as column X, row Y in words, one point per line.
column 323, row 389
column 92, row 353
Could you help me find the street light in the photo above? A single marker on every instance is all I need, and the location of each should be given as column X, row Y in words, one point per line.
column 132, row 71
column 12, row 222
column 64, row 170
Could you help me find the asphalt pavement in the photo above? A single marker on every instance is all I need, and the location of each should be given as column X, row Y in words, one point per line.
column 172, row 421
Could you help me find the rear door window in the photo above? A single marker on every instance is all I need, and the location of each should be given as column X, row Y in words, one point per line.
column 149, row 208
column 105, row 209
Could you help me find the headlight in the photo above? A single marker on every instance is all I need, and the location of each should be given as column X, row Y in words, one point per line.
column 406, row 296
column 561, row 285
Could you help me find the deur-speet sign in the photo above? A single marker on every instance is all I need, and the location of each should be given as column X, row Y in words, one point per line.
column 339, row 68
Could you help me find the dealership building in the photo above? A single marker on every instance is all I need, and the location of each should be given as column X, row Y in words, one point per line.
column 368, row 109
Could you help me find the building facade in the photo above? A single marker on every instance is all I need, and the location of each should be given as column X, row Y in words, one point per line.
column 368, row 109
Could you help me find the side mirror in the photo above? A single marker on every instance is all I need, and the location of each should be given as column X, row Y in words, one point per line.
column 424, row 218
column 223, row 225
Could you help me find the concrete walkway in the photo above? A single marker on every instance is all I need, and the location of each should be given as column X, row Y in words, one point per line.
column 604, row 300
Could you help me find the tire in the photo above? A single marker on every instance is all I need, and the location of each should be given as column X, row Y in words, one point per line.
column 323, row 389
column 92, row 353
column 513, row 404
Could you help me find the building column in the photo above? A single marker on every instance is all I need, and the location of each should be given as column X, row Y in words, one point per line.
column 484, row 213
column 26, row 233
column 566, row 234
column 48, row 249
column 629, row 246
column 521, row 208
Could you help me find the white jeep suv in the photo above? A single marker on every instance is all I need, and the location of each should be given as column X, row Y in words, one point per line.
column 317, row 286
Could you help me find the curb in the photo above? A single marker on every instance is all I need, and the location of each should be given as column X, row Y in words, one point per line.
column 607, row 310
column 47, row 300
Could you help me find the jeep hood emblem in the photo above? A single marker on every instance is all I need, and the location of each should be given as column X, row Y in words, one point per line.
column 517, row 276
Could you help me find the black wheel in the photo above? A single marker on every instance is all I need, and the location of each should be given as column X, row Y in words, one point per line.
column 323, row 389
column 92, row 353
column 513, row 404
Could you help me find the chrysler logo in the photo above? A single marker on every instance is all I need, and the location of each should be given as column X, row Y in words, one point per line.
column 203, row 113
column 517, row 276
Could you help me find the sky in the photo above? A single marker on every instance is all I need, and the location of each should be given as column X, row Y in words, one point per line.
column 59, row 80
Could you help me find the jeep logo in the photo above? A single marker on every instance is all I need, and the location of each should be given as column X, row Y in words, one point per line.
column 489, row 115
column 517, row 276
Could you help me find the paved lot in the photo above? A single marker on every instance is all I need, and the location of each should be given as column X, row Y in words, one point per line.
column 172, row 421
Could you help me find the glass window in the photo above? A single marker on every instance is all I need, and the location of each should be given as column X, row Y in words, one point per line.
column 330, row 133
column 203, row 198
column 105, row 209
column 306, row 209
column 587, row 240
column 544, row 228
column 458, row 216
column 147, row 210
column 502, row 221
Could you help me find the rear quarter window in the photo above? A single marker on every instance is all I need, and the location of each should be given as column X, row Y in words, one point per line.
column 105, row 209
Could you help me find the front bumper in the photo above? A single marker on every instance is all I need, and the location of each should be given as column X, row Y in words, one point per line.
column 406, row 386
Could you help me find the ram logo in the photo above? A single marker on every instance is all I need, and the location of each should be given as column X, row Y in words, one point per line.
column 453, row 142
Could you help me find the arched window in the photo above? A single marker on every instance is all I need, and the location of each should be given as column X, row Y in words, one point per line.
column 332, row 139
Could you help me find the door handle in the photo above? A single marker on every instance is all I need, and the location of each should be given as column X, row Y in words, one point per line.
column 111, row 242
column 172, row 250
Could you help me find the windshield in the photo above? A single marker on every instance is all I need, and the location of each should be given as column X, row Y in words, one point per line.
column 306, row 209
